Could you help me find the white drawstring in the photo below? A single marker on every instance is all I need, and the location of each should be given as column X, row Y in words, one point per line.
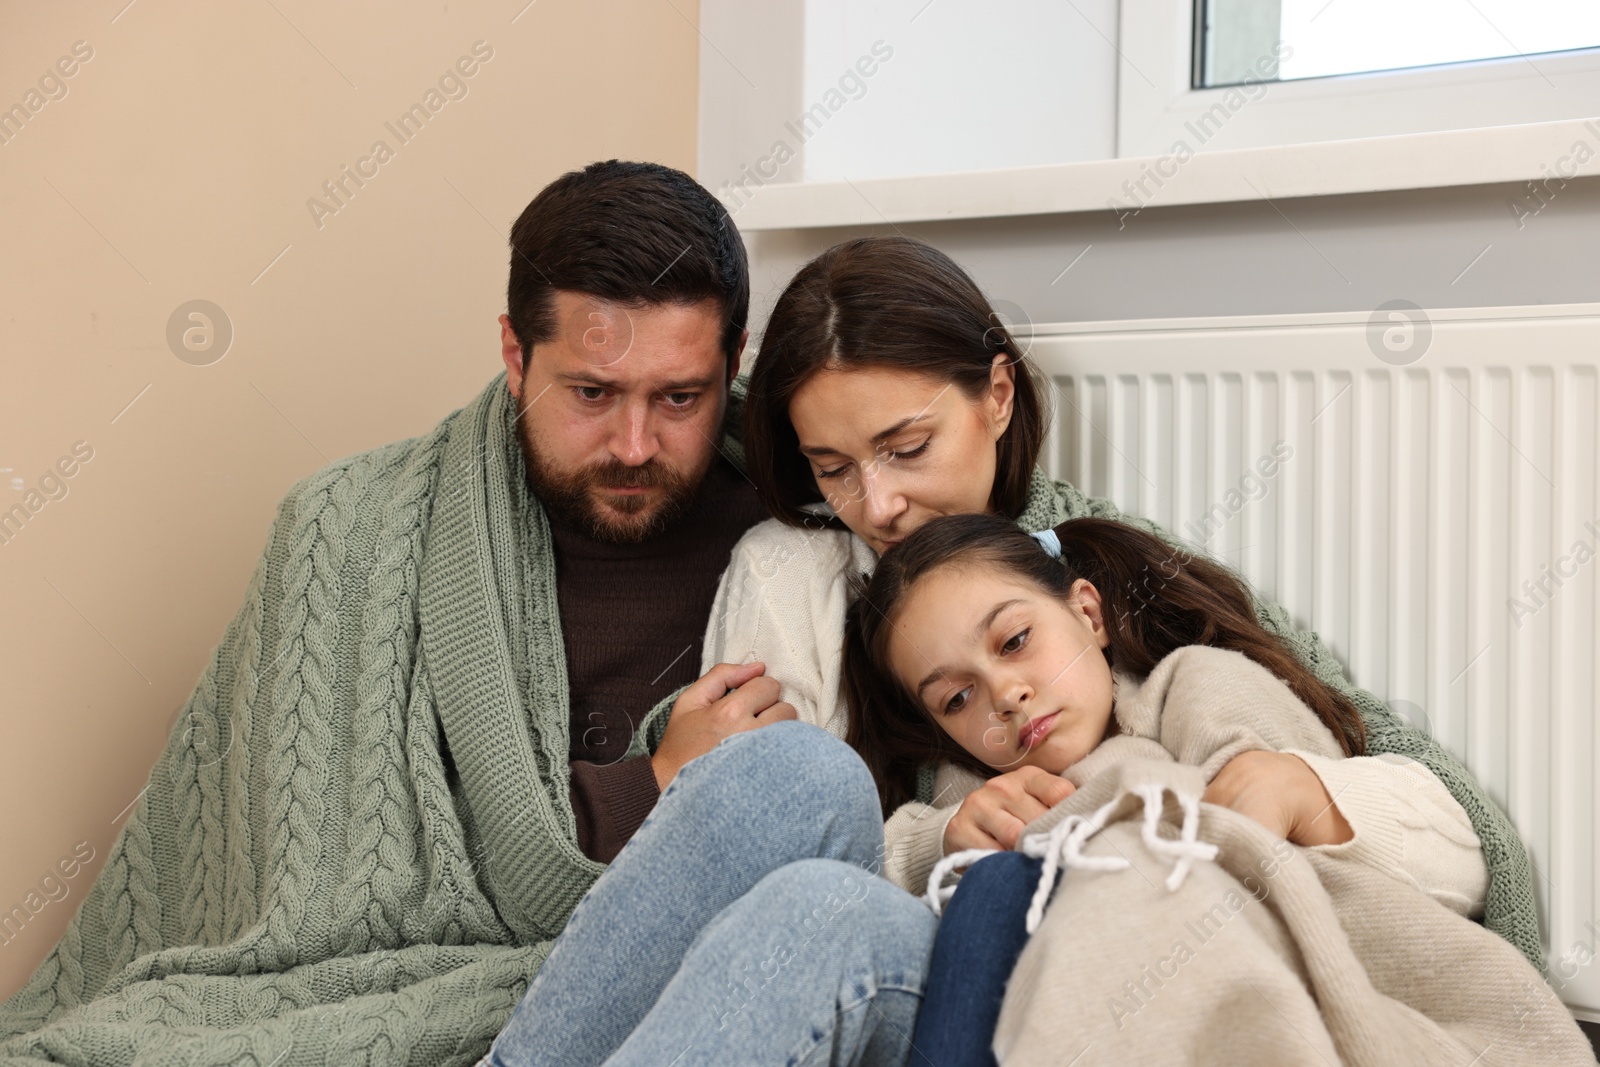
column 1062, row 847
column 936, row 896
column 1187, row 847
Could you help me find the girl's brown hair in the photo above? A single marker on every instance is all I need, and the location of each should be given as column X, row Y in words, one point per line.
column 883, row 302
column 1154, row 599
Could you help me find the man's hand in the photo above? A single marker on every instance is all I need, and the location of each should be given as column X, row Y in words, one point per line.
column 730, row 699
column 993, row 815
column 1281, row 792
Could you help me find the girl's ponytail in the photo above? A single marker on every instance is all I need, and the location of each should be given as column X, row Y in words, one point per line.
column 1156, row 598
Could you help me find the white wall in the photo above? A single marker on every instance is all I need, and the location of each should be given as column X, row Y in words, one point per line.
column 1010, row 83
column 814, row 90
column 1454, row 247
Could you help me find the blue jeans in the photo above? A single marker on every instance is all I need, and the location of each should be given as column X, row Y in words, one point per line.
column 981, row 935
column 743, row 923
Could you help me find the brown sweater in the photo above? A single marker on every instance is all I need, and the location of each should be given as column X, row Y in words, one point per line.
column 632, row 619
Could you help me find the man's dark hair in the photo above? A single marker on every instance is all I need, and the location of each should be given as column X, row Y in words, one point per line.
column 635, row 233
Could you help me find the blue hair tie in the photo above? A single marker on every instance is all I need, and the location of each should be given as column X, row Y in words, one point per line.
column 1049, row 542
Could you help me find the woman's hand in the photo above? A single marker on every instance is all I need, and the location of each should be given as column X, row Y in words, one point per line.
column 1281, row 792
column 993, row 815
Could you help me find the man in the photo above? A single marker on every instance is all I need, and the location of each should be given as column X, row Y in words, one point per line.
column 631, row 348
column 452, row 692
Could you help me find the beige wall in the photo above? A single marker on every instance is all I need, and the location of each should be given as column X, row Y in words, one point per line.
column 177, row 167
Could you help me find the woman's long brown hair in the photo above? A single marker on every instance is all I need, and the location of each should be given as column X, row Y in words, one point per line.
column 1154, row 599
column 889, row 302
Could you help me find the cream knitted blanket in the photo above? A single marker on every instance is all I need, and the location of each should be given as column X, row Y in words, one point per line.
column 358, row 845
column 1183, row 933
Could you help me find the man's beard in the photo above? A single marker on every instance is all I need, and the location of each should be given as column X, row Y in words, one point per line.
column 569, row 496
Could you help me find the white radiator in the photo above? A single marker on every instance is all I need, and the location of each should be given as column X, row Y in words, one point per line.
column 1434, row 518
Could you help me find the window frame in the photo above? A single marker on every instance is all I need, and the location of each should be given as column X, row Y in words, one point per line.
column 1156, row 96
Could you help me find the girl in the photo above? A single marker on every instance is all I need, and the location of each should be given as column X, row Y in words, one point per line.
column 973, row 645
column 997, row 649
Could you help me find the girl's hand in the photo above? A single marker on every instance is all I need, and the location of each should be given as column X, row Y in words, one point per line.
column 993, row 815
column 1282, row 793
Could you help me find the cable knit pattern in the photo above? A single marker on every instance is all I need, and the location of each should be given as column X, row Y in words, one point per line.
column 202, row 790
column 304, row 881
column 302, row 703
column 383, row 830
column 240, row 909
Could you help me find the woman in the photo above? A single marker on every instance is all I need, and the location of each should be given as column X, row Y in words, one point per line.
column 885, row 395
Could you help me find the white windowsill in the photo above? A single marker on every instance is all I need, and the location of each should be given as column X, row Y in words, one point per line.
column 1531, row 152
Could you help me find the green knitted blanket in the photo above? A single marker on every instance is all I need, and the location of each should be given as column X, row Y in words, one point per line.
column 1509, row 910
column 305, row 880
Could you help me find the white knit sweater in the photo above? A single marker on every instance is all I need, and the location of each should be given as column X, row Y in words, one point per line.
column 782, row 601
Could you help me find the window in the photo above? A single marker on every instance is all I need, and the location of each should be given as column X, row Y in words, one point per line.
column 1280, row 72
column 1332, row 37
